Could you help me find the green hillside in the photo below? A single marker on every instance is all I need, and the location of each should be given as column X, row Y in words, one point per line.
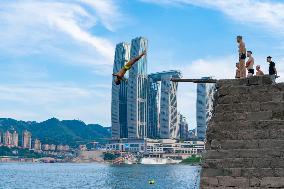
column 54, row 131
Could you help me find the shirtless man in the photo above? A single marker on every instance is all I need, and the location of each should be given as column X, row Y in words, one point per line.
column 125, row 68
column 249, row 64
column 242, row 56
column 258, row 71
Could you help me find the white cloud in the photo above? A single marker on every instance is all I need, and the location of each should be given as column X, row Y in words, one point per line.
column 39, row 36
column 107, row 11
column 267, row 14
column 217, row 67
column 44, row 100
column 30, row 27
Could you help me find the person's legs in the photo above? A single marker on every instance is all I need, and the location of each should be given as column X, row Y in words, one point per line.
column 273, row 77
column 242, row 69
column 132, row 61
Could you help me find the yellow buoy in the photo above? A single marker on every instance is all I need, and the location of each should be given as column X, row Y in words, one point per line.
column 151, row 181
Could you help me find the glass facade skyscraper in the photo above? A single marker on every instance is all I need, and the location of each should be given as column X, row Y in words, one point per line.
column 204, row 106
column 183, row 127
column 119, row 94
column 137, row 91
column 162, row 102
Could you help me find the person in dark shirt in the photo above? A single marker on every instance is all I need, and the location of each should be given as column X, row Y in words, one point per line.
column 272, row 69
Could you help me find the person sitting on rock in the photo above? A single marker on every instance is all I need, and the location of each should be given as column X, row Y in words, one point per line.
column 258, row 71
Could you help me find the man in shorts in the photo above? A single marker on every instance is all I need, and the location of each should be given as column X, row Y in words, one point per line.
column 249, row 64
column 242, row 56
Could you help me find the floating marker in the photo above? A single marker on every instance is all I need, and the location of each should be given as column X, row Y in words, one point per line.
column 151, row 181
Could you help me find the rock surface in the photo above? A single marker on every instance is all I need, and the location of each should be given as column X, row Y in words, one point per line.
column 245, row 137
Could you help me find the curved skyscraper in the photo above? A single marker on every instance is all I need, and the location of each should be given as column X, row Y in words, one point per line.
column 137, row 91
column 204, row 105
column 162, row 102
column 119, row 94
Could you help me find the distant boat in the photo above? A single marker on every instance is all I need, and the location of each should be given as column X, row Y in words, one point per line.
column 158, row 161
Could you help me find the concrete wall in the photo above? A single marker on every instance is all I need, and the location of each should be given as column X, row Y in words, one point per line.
column 245, row 137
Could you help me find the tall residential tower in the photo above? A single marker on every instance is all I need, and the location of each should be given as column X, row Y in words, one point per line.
column 204, row 106
column 27, row 140
column 119, row 94
column 137, row 91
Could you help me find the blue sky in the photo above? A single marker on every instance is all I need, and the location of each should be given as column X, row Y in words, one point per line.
column 56, row 56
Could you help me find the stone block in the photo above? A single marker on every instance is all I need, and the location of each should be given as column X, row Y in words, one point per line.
column 228, row 181
column 229, row 163
column 272, row 106
column 213, row 172
column 264, row 115
column 271, row 143
column 272, row 182
column 209, row 181
column 254, row 182
column 278, row 115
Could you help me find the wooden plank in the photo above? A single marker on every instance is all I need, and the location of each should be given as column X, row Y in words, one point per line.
column 195, row 80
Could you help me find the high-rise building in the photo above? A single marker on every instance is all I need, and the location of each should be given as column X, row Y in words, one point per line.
column 137, row 91
column 183, row 127
column 162, row 105
column 37, row 145
column 192, row 135
column 15, row 139
column 204, row 106
column 52, row 147
column 119, row 94
column 154, row 95
column 62, row 147
column 27, row 140
column 46, row 147
column 8, row 139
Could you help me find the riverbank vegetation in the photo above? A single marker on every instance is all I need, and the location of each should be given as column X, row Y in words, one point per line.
column 192, row 160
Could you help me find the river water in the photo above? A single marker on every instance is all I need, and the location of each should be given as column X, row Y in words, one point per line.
column 97, row 176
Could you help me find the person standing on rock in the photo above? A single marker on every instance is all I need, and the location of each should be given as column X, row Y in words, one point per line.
column 272, row 69
column 258, row 71
column 242, row 56
column 249, row 64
